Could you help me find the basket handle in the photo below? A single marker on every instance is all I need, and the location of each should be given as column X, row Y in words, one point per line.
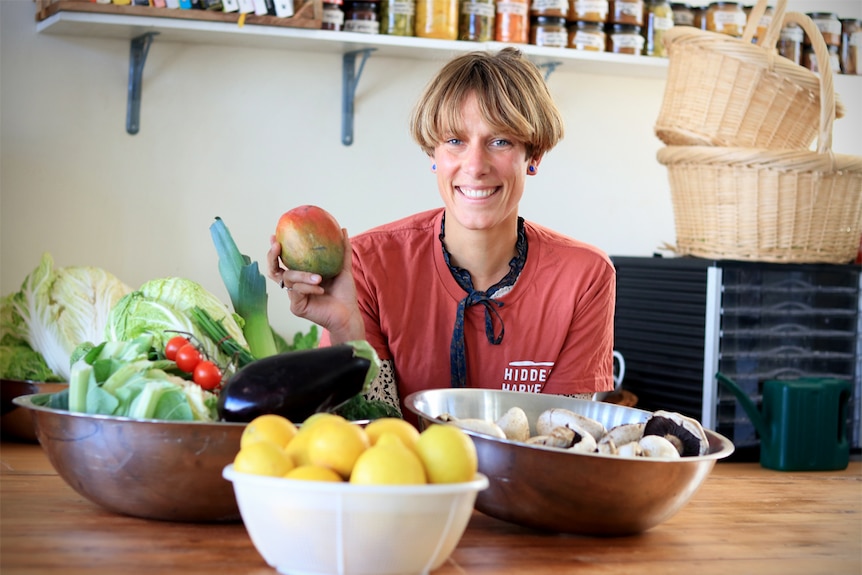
column 827, row 88
column 773, row 31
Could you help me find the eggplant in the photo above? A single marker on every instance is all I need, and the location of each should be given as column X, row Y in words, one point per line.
column 297, row 384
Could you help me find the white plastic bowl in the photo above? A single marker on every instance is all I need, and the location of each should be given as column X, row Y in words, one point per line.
column 322, row 528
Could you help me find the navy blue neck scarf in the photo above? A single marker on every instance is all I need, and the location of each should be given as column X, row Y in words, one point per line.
column 457, row 352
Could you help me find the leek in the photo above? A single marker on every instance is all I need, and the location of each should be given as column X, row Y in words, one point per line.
column 246, row 288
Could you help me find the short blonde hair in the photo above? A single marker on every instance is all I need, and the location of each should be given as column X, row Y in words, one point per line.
column 512, row 96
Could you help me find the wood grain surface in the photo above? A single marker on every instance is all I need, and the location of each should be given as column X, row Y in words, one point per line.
column 743, row 520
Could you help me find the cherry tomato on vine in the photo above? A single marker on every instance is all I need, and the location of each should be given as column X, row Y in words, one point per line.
column 207, row 375
column 188, row 357
column 173, row 346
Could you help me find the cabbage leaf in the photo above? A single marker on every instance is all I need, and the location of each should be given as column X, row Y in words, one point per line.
column 163, row 307
column 58, row 309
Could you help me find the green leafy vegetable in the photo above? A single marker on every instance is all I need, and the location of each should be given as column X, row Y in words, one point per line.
column 57, row 309
column 308, row 340
column 246, row 287
column 164, row 307
column 120, row 378
column 360, row 408
column 24, row 363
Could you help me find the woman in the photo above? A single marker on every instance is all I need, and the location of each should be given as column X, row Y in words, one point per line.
column 471, row 294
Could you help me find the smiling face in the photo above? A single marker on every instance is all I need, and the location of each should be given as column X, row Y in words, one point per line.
column 480, row 172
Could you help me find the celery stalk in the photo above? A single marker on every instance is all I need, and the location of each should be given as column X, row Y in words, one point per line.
column 246, row 288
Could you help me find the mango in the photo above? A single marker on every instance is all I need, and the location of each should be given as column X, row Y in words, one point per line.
column 311, row 241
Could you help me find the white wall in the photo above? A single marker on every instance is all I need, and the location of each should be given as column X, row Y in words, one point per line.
column 246, row 133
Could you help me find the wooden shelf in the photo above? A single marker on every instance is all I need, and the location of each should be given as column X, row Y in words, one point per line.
column 128, row 22
column 142, row 26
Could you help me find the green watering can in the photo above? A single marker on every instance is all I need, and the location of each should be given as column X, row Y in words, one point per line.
column 803, row 426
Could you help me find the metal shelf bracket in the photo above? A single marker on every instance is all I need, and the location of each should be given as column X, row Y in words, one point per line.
column 550, row 67
column 137, row 58
column 350, row 79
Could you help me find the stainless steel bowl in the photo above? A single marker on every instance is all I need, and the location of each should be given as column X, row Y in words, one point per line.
column 16, row 423
column 555, row 490
column 154, row 469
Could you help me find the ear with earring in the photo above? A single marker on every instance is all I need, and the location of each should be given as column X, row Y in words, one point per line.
column 532, row 169
column 433, row 167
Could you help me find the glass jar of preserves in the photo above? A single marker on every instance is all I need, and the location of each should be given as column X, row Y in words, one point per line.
column 333, row 16
column 659, row 19
column 397, row 17
column 361, row 17
column 790, row 43
column 629, row 12
column 762, row 25
column 476, row 21
column 625, row 39
column 682, row 14
column 699, row 13
column 829, row 26
column 726, row 18
column 851, row 38
column 512, row 22
column 549, row 31
column 554, row 8
column 588, row 11
column 809, row 59
column 437, row 19
column 587, row 36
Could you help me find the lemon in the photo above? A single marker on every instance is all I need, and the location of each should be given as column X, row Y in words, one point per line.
column 262, row 458
column 336, row 444
column 320, row 416
column 297, row 447
column 270, row 427
column 448, row 454
column 313, row 473
column 404, row 430
column 388, row 462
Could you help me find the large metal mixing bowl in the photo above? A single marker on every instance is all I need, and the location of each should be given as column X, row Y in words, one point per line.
column 560, row 491
column 16, row 423
column 166, row 470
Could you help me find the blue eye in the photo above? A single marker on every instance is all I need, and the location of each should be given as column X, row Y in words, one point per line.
column 501, row 143
column 453, row 141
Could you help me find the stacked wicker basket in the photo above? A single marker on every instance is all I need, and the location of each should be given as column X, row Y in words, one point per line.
column 739, row 122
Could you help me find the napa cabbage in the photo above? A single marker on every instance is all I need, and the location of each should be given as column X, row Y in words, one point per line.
column 57, row 309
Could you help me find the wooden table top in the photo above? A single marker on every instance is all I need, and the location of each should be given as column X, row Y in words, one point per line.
column 744, row 519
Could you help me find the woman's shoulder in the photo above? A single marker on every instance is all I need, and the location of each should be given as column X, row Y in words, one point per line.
column 417, row 224
column 558, row 241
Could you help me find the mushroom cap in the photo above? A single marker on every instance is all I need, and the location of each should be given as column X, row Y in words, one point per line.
column 684, row 432
column 658, row 446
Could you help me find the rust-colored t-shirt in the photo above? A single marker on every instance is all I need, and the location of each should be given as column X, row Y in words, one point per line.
column 558, row 317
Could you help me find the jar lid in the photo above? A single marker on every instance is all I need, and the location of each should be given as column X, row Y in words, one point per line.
column 822, row 15
column 587, row 24
column 719, row 4
column 627, row 29
column 857, row 21
column 680, row 5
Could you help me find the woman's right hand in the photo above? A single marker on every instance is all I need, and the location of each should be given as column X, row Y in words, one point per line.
column 330, row 304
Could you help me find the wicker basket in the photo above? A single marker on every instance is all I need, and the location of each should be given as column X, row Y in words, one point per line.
column 725, row 91
column 787, row 206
